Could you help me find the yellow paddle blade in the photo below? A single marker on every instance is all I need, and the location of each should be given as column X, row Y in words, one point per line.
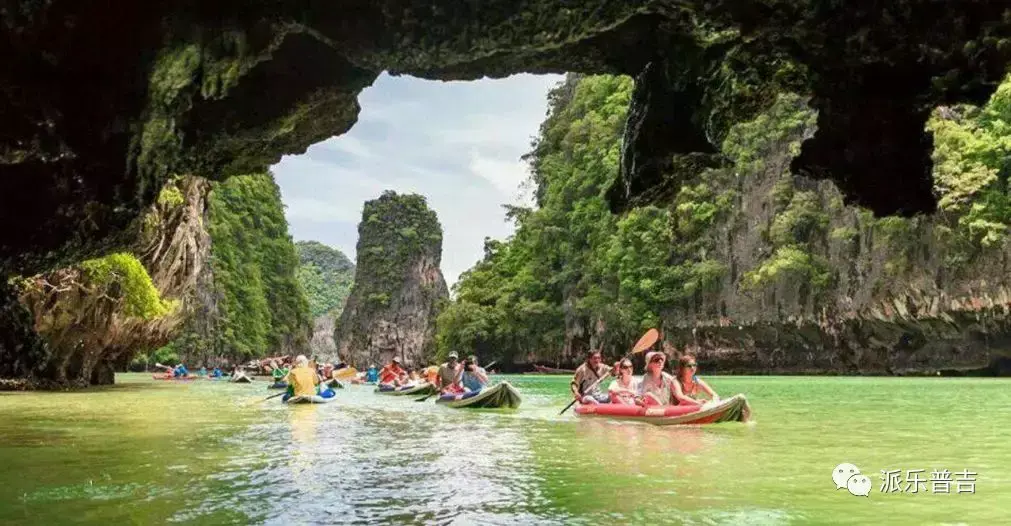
column 347, row 372
column 646, row 341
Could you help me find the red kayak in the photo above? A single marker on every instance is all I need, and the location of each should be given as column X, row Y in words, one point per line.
column 733, row 409
column 178, row 379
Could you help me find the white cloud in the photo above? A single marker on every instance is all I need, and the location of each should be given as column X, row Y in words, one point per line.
column 457, row 143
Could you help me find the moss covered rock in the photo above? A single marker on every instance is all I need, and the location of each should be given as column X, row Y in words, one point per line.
column 398, row 287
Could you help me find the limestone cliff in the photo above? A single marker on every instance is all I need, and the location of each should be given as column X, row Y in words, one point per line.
column 398, row 288
column 95, row 119
column 809, row 285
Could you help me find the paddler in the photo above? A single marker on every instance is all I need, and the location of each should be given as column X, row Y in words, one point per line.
column 689, row 384
column 302, row 379
column 448, row 373
column 180, row 371
column 277, row 372
column 473, row 377
column 587, row 375
column 659, row 388
column 372, row 375
column 625, row 387
column 393, row 374
column 431, row 374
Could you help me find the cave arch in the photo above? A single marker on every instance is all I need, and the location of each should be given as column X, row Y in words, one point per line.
column 102, row 101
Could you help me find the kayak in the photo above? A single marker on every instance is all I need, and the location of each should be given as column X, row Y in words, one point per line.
column 733, row 409
column 313, row 399
column 420, row 389
column 500, row 395
column 175, row 378
column 278, row 385
column 241, row 379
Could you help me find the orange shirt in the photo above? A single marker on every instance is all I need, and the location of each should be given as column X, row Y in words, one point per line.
column 390, row 373
column 432, row 375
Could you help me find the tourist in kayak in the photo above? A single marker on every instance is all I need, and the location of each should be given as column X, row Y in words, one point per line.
column 472, row 376
column 216, row 373
column 302, row 379
column 278, row 372
column 655, row 388
column 448, row 375
column 625, row 387
column 372, row 375
column 689, row 384
column 180, row 371
column 392, row 375
column 585, row 386
column 431, row 374
column 659, row 388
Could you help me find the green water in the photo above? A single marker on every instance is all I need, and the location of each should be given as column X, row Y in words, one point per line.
column 211, row 453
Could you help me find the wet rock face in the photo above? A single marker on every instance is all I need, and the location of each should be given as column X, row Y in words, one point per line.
column 102, row 102
column 398, row 288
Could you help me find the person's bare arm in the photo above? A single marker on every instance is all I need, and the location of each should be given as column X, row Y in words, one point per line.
column 680, row 395
column 709, row 390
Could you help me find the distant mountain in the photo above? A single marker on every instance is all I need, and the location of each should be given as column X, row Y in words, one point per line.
column 326, row 275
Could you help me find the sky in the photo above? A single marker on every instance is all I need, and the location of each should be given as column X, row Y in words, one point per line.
column 456, row 143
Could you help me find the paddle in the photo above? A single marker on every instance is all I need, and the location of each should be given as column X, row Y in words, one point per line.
column 644, row 343
column 429, row 395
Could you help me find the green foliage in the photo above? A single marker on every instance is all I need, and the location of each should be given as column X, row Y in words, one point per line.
column 789, row 263
column 326, row 275
column 125, row 274
column 803, row 220
column 165, row 355
column 397, row 231
column 846, row 234
column 261, row 304
column 972, row 162
column 170, row 197
column 753, row 145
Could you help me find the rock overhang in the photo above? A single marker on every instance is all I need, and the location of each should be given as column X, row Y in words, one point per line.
column 102, row 103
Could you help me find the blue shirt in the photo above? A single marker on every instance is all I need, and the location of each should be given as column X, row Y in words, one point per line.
column 372, row 375
column 180, row 371
column 471, row 381
column 216, row 373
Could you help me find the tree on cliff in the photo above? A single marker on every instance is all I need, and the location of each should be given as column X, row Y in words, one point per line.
column 95, row 315
column 398, row 287
column 256, row 305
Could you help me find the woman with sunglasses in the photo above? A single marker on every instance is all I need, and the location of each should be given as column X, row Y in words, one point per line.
column 655, row 388
column 625, row 386
column 660, row 388
column 688, row 384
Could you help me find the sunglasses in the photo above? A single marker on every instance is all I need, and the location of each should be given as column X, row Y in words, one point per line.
column 626, row 366
column 657, row 360
column 693, row 364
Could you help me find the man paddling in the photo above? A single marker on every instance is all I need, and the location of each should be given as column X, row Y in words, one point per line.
column 586, row 376
column 302, row 379
column 393, row 374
